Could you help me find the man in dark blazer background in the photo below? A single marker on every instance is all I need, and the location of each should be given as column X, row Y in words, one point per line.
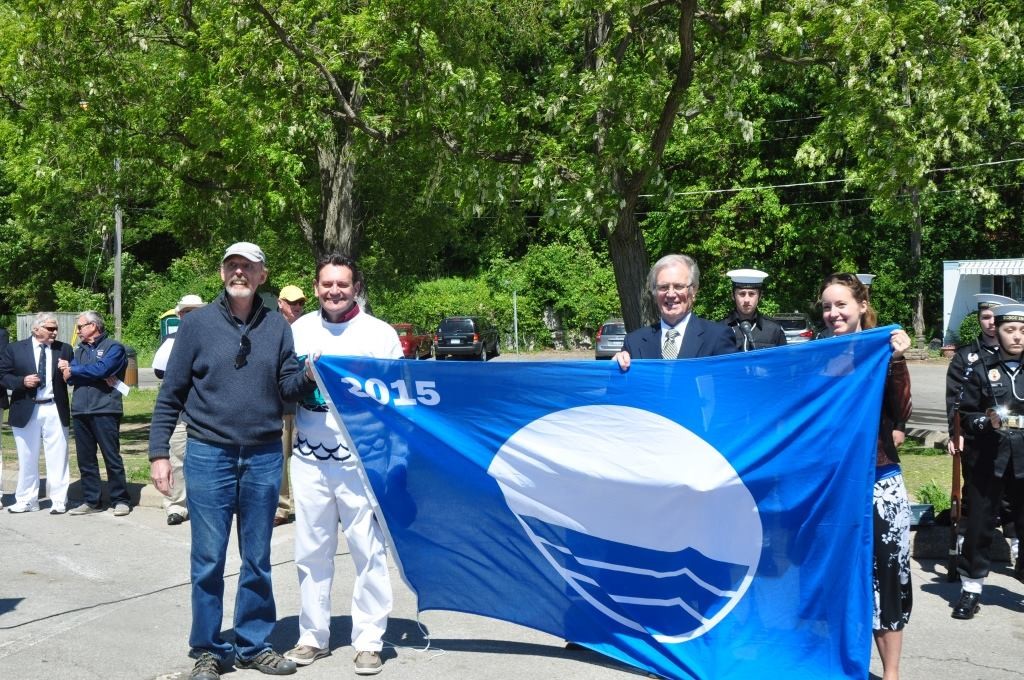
column 679, row 334
column 39, row 413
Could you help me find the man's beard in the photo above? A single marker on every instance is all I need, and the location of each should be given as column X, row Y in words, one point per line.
column 238, row 292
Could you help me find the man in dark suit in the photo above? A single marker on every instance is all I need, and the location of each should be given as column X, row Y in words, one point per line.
column 39, row 413
column 679, row 334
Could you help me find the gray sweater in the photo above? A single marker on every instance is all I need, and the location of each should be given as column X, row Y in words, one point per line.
column 221, row 404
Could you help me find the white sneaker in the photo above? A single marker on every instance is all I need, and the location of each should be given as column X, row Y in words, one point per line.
column 19, row 508
column 121, row 509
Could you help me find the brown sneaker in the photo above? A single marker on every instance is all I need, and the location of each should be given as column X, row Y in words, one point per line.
column 303, row 655
column 368, row 663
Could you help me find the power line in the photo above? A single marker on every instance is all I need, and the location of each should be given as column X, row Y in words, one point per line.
column 832, row 201
column 698, row 192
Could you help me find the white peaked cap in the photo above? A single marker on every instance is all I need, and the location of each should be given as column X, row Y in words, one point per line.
column 989, row 300
column 747, row 278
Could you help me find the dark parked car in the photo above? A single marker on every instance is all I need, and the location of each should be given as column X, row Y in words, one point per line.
column 466, row 336
column 610, row 337
column 796, row 326
column 415, row 343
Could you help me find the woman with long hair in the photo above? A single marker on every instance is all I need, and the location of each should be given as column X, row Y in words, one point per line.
column 846, row 309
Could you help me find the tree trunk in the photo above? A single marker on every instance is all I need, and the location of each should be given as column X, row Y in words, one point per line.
column 340, row 229
column 626, row 245
column 628, row 253
column 915, row 263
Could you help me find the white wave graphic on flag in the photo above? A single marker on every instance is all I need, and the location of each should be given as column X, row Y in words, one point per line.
column 615, row 500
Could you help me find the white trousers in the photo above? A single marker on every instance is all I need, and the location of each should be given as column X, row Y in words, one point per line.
column 44, row 428
column 175, row 501
column 326, row 493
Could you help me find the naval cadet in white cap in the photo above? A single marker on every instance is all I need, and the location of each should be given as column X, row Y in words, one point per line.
column 991, row 410
column 972, row 349
column 752, row 329
column 967, row 354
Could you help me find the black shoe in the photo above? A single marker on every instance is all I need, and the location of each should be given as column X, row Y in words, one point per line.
column 967, row 606
column 1018, row 569
column 174, row 519
column 207, row 668
column 268, row 661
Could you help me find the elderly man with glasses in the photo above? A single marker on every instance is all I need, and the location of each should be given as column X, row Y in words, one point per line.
column 679, row 334
column 98, row 366
column 39, row 413
column 232, row 367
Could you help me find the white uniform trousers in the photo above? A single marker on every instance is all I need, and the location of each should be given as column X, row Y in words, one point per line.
column 175, row 501
column 326, row 493
column 44, row 428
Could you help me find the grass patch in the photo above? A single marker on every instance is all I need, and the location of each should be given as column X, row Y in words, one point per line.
column 138, row 406
column 928, row 473
column 138, row 411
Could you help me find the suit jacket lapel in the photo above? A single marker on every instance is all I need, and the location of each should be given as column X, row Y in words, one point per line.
column 655, row 352
column 692, row 339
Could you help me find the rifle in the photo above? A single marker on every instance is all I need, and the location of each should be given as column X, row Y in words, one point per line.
column 955, row 507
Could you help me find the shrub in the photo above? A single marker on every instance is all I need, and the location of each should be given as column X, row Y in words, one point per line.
column 161, row 292
column 969, row 329
column 931, row 494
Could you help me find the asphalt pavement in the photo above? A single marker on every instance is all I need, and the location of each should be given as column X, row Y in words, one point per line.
column 99, row 596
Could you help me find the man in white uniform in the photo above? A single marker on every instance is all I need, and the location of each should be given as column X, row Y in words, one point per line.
column 326, row 481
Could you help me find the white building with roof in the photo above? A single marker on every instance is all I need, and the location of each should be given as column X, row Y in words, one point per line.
column 961, row 279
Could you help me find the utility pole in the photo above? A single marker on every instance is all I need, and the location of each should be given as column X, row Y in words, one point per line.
column 117, row 255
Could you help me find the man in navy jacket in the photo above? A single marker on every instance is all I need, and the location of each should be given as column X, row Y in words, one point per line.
column 96, row 410
column 679, row 334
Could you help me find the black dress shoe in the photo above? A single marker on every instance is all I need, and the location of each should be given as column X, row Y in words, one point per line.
column 1018, row 569
column 174, row 519
column 967, row 606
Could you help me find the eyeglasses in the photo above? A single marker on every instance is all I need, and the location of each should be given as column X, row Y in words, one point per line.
column 49, row 329
column 676, row 287
column 80, row 326
column 244, row 347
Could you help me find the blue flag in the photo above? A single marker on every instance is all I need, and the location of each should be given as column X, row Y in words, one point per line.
column 705, row 518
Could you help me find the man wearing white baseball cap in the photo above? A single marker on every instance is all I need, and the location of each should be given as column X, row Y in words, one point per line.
column 232, row 367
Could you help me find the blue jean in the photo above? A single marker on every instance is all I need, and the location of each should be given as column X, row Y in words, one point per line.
column 224, row 482
column 104, row 430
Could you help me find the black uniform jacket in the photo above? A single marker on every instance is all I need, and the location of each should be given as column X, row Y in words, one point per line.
column 993, row 384
column 964, row 357
column 763, row 332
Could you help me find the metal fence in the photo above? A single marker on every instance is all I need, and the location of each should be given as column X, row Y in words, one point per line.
column 65, row 326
